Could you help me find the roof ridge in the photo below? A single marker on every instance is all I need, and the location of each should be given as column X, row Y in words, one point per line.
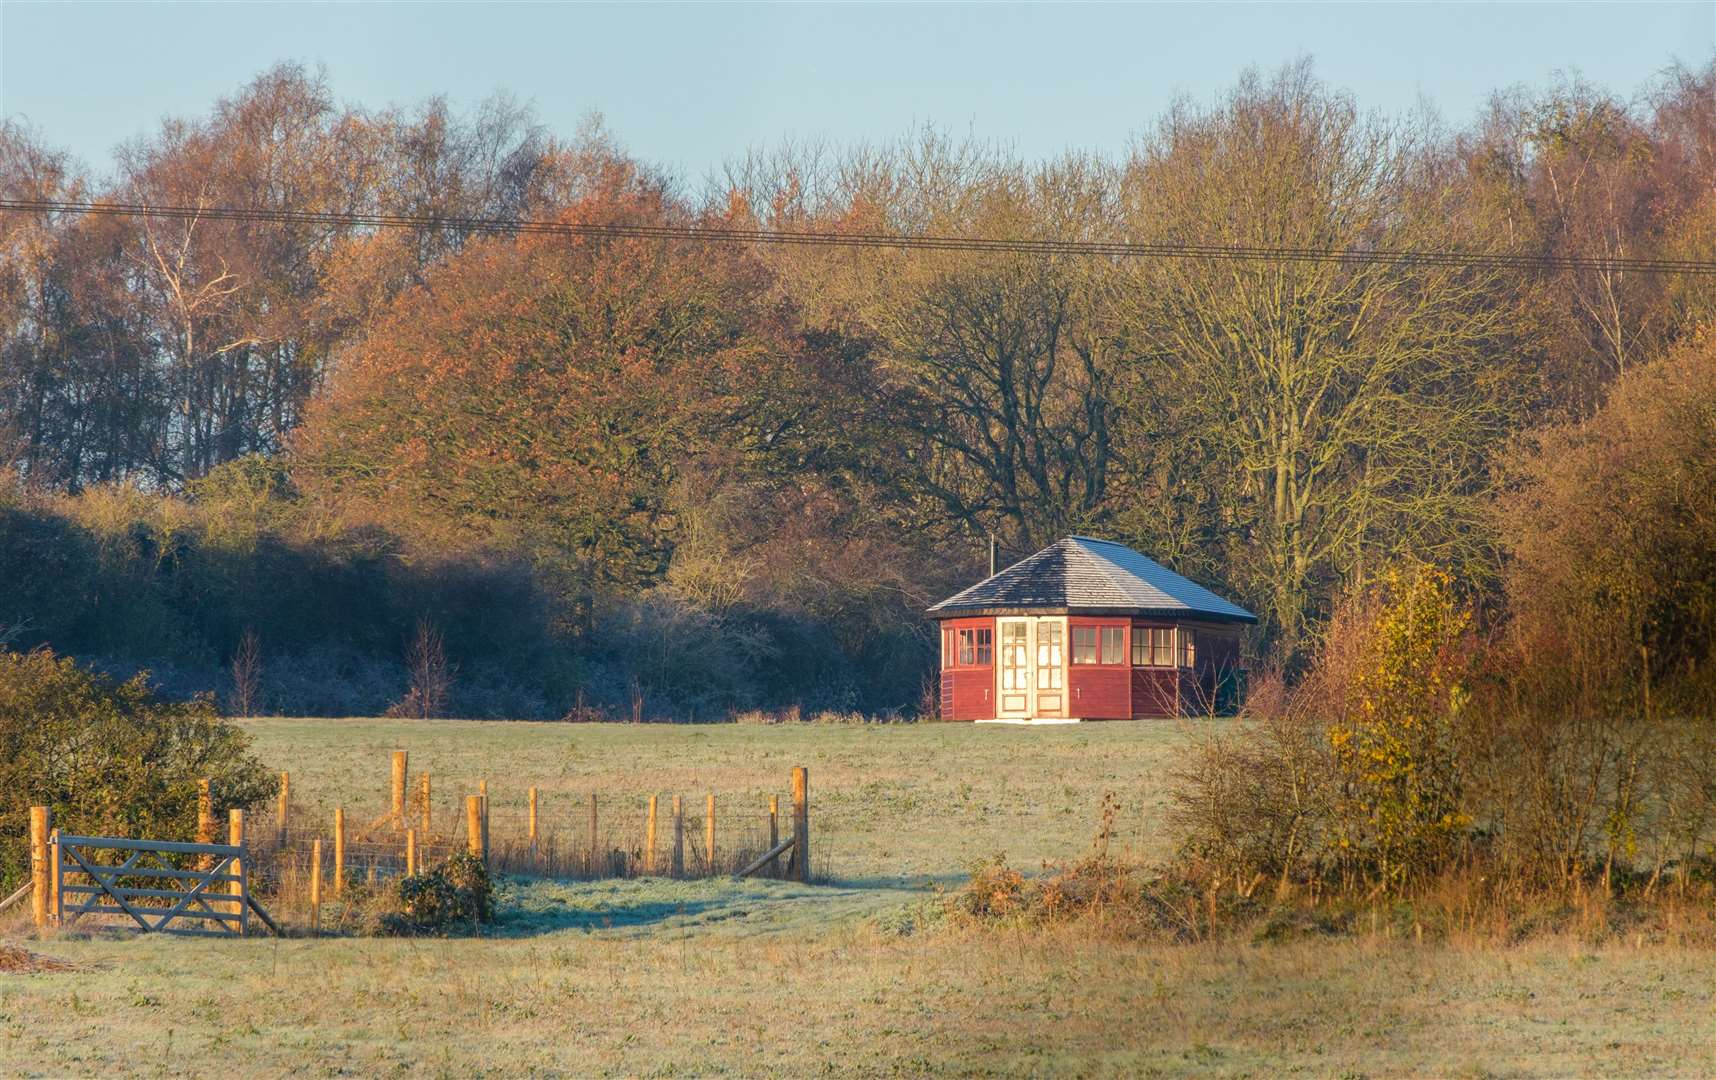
column 1089, row 572
column 1109, row 567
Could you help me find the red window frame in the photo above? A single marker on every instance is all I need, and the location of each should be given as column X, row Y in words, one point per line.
column 1093, row 644
column 967, row 647
column 1149, row 652
column 1083, row 649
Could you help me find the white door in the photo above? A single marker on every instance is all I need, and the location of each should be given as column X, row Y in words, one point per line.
column 1013, row 700
column 1051, row 691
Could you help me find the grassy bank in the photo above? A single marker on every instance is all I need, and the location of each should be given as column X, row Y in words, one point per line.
column 891, row 802
column 645, row 978
column 658, row 978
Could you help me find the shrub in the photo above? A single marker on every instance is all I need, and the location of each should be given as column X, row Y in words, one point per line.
column 995, row 890
column 1611, row 529
column 455, row 894
column 1393, row 741
column 124, row 580
column 1358, row 769
column 1098, row 893
column 110, row 757
column 1259, row 800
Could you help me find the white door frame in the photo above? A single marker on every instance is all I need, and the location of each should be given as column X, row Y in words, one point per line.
column 1051, row 672
column 1015, row 674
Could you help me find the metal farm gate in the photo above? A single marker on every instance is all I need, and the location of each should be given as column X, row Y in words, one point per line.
column 161, row 885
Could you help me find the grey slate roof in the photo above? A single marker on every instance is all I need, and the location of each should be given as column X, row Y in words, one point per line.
column 1080, row 573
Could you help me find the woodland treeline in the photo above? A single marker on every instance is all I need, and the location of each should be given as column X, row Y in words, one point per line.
column 342, row 468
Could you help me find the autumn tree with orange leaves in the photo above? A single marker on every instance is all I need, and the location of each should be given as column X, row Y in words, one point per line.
column 545, row 394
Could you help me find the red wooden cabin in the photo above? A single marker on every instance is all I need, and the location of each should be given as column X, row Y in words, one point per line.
column 1087, row 630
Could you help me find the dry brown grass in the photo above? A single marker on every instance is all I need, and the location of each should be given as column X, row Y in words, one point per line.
column 703, row 993
column 646, row 977
column 20, row 961
column 1185, row 902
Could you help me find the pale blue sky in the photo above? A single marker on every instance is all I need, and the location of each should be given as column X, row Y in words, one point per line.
column 687, row 85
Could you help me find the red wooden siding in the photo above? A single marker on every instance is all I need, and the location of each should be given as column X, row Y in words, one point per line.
column 967, row 694
column 1101, row 692
column 1155, row 692
column 967, row 691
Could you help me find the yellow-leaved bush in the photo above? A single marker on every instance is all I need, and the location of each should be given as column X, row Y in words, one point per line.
column 1394, row 739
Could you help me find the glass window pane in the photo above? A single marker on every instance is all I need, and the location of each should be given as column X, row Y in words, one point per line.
column 1162, row 647
column 1188, row 648
column 966, row 657
column 1084, row 645
column 1014, row 658
column 1049, row 655
column 985, row 647
column 1113, row 642
column 1140, row 646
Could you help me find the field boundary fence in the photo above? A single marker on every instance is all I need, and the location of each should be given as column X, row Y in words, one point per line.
column 311, row 857
column 153, row 886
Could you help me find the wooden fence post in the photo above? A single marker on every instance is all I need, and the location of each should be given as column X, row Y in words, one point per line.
column 235, row 889
column 410, row 852
column 678, row 838
column 474, row 828
column 532, row 826
column 205, row 812
column 649, row 839
column 483, row 793
column 399, row 762
column 316, row 885
column 800, row 824
column 55, row 869
column 339, row 850
column 592, row 832
column 774, row 831
column 40, row 874
column 709, row 837
column 426, row 833
column 205, row 821
column 285, row 801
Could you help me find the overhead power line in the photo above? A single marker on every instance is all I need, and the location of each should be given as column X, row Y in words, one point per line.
column 902, row 241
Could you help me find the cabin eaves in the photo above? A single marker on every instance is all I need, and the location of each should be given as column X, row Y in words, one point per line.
column 1080, row 573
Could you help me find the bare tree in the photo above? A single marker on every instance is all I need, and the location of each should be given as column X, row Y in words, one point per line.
column 246, row 675
column 431, row 675
column 994, row 374
column 1346, row 412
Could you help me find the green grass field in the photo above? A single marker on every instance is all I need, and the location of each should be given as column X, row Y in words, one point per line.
column 892, row 803
column 652, row 977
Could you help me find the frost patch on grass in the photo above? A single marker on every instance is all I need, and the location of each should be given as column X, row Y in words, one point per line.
column 637, row 907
